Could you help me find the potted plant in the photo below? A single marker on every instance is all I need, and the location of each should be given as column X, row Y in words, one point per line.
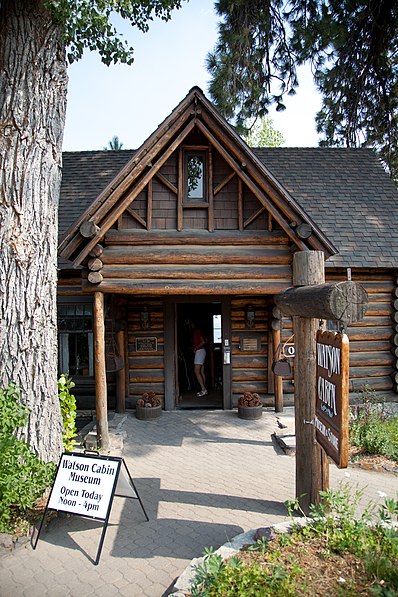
column 148, row 407
column 250, row 406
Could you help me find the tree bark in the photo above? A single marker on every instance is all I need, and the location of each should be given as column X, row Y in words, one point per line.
column 33, row 85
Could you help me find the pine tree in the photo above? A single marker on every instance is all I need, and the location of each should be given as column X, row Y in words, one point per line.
column 352, row 46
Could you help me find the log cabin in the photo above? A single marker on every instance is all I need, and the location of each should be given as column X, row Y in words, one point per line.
column 197, row 226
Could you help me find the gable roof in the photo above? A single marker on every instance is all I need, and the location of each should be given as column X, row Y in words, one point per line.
column 195, row 111
column 345, row 191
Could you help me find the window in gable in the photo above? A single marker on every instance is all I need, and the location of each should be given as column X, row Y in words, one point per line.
column 195, row 176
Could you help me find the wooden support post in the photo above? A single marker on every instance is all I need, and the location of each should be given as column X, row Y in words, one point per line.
column 312, row 466
column 100, row 373
column 278, row 380
column 121, row 375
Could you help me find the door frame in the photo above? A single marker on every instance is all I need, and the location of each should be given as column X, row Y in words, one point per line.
column 170, row 345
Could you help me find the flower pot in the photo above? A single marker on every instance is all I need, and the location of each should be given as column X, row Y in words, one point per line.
column 250, row 412
column 148, row 413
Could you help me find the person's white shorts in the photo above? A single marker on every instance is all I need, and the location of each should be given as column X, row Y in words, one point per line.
column 200, row 356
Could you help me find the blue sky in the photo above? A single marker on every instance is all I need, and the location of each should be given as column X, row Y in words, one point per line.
column 131, row 101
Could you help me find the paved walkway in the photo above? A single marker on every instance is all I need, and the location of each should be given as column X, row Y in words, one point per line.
column 203, row 476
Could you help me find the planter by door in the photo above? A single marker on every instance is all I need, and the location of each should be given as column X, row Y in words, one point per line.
column 250, row 412
column 146, row 413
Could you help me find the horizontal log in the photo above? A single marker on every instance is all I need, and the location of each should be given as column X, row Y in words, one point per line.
column 94, row 277
column 89, row 229
column 248, row 361
column 197, row 272
column 374, row 286
column 95, row 264
column 212, row 254
column 376, row 383
column 194, row 287
column 367, row 359
column 197, row 237
column 251, row 375
column 370, row 372
column 96, row 251
column 369, row 345
column 277, row 313
column 338, row 301
column 377, row 333
column 369, row 321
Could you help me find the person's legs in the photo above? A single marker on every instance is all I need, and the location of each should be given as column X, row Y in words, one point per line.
column 200, row 356
column 199, row 376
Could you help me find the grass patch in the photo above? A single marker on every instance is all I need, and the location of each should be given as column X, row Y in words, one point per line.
column 336, row 553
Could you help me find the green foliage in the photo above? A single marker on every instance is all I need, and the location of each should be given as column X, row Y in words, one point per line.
column 114, row 144
column 88, row 24
column 261, row 133
column 352, row 48
column 370, row 536
column 373, row 429
column 68, row 411
column 23, row 477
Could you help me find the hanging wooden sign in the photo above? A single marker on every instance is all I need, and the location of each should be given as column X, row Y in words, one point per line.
column 332, row 395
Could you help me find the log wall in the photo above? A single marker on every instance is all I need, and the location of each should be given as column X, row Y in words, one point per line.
column 145, row 370
column 250, row 368
column 373, row 362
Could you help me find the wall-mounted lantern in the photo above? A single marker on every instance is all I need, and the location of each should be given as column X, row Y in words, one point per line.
column 144, row 318
column 250, row 316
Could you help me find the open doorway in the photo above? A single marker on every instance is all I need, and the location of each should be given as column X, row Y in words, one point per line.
column 207, row 318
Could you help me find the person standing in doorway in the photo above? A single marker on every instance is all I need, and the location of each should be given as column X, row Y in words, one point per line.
column 199, row 343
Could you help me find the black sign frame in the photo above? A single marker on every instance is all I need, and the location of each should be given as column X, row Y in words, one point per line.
column 93, row 455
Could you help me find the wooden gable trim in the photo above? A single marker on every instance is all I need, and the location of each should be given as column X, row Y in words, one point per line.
column 120, row 208
column 122, row 181
column 265, row 180
column 194, row 110
column 252, row 186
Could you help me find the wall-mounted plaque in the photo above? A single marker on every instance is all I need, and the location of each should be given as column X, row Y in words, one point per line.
column 146, row 344
column 250, row 344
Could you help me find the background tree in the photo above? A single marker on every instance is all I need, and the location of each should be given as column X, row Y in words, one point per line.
column 114, row 144
column 261, row 133
column 37, row 39
column 353, row 49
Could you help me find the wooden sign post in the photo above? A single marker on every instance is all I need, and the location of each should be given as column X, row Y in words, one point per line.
column 308, row 302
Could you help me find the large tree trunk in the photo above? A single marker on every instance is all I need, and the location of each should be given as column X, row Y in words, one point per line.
column 33, row 88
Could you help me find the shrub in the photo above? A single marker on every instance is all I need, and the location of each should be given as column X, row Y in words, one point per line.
column 23, row 476
column 68, row 411
column 373, row 429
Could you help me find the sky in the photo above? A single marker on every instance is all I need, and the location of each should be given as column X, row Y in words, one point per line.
column 131, row 101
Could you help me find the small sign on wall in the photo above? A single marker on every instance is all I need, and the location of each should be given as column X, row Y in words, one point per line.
column 332, row 395
column 146, row 344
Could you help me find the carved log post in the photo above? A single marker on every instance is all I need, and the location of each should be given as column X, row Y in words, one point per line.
column 121, row 375
column 312, row 467
column 100, row 373
column 278, row 380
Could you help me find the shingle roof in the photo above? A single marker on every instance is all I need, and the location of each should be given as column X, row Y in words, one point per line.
column 344, row 191
column 348, row 195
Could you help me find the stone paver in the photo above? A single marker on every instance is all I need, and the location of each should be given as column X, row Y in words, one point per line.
column 203, row 476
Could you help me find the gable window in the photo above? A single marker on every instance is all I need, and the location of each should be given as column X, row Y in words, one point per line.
column 75, row 330
column 195, row 176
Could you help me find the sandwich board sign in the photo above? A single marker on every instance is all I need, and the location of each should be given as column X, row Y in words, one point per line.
column 85, row 484
column 332, row 395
